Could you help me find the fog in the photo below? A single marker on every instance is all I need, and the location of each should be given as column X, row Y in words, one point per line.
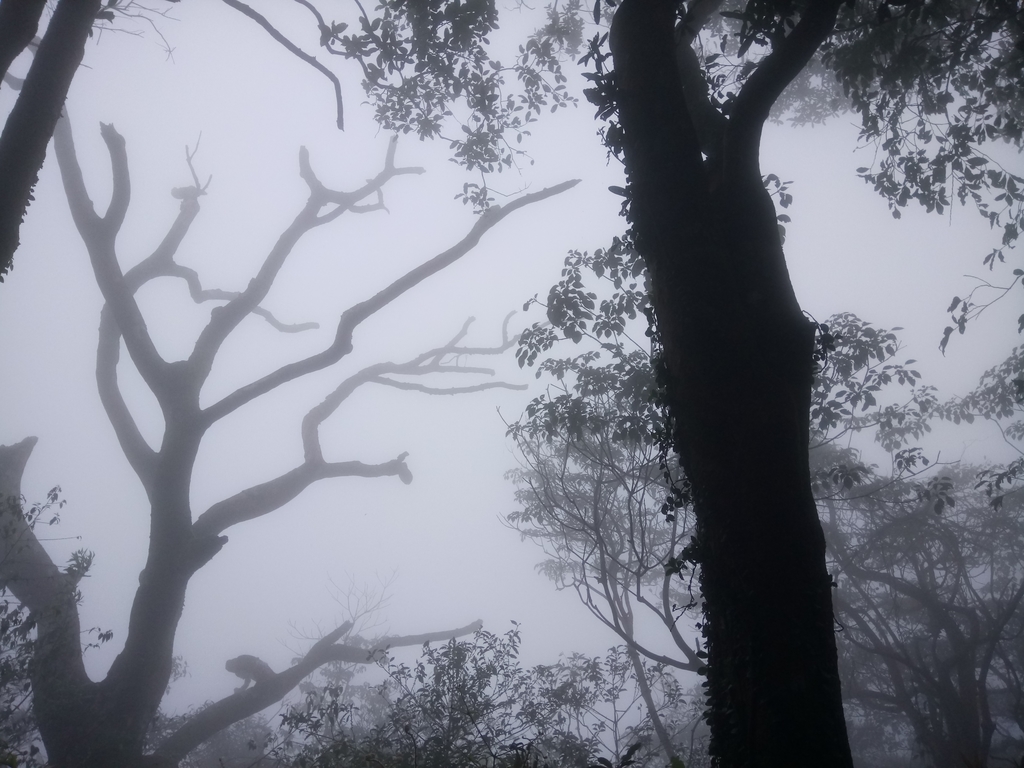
column 437, row 545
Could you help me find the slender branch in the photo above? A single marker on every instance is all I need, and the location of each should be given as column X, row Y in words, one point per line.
column 121, row 193
column 225, row 319
column 632, row 642
column 652, row 710
column 267, row 497
column 423, row 364
column 669, row 620
column 294, row 49
column 98, row 235
column 140, row 455
column 356, row 314
column 200, row 295
column 411, row 386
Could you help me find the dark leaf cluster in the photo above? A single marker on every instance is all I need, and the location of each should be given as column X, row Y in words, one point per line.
column 427, row 67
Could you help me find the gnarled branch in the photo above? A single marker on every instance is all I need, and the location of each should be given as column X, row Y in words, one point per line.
column 267, row 497
column 243, row 703
column 356, row 314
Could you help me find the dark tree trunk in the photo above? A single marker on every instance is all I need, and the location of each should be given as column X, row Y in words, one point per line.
column 30, row 125
column 18, row 24
column 738, row 371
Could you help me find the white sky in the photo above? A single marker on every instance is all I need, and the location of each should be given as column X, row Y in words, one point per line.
column 454, row 561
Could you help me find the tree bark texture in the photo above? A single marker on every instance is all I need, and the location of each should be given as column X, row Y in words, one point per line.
column 31, row 122
column 737, row 367
column 18, row 25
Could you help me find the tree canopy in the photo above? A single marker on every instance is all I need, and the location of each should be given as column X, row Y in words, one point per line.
column 688, row 89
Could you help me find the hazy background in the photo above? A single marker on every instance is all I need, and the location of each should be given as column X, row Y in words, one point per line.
column 440, row 537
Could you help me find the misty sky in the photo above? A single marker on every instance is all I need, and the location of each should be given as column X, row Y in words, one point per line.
column 440, row 537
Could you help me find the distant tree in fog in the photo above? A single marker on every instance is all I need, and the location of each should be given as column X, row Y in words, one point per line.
column 86, row 723
column 931, row 83
column 930, row 602
column 471, row 704
column 612, row 513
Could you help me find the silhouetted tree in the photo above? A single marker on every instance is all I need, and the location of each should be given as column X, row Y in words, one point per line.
column 735, row 350
column 87, row 723
column 691, row 89
column 931, row 607
column 611, row 512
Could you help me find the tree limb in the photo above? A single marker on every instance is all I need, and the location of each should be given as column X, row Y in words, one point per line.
column 423, row 364
column 31, row 122
column 200, row 294
column 267, row 497
column 356, row 314
column 766, row 83
column 225, row 319
column 140, row 455
column 25, row 567
column 411, row 386
column 295, row 50
column 241, row 704
column 98, row 235
column 33, row 578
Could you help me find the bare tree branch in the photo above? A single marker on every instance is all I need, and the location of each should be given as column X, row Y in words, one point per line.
column 294, row 49
column 411, row 386
column 225, row 319
column 356, row 314
column 267, row 497
column 247, row 702
column 98, row 235
column 140, row 455
column 200, row 295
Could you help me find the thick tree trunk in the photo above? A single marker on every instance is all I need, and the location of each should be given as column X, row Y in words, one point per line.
column 737, row 366
column 19, row 22
column 77, row 718
column 30, row 125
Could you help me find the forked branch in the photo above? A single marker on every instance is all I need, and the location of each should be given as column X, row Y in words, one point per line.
column 267, row 497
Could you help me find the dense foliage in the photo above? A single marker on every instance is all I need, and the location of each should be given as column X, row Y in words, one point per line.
column 927, row 559
column 472, row 704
